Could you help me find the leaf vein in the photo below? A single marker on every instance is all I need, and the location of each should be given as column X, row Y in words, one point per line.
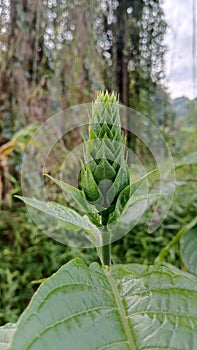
column 65, row 320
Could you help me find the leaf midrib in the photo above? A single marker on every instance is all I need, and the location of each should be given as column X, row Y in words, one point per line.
column 129, row 333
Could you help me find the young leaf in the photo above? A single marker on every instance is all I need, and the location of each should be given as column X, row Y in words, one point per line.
column 71, row 217
column 120, row 205
column 131, row 307
column 75, row 194
column 127, row 198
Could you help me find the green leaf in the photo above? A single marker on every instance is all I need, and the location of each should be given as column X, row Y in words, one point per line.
column 139, row 182
column 133, row 307
column 175, row 240
column 190, row 159
column 120, row 204
column 71, row 217
column 189, row 250
column 127, row 198
column 124, row 204
column 135, row 199
column 6, row 335
column 75, row 194
column 95, row 219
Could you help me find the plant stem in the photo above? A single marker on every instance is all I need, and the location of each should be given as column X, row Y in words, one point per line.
column 175, row 240
column 104, row 252
column 106, row 249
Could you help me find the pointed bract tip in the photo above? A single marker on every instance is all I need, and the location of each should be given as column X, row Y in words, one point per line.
column 104, row 97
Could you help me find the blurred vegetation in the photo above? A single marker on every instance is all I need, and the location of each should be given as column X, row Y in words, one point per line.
column 55, row 54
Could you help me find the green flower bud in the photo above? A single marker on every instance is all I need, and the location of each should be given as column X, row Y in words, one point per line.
column 105, row 179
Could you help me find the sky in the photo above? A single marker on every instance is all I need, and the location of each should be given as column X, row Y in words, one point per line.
column 179, row 81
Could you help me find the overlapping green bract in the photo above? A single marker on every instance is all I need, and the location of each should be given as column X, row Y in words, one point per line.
column 105, row 176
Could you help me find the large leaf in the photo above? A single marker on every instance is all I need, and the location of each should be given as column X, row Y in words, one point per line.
column 189, row 250
column 71, row 217
column 133, row 307
column 6, row 335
